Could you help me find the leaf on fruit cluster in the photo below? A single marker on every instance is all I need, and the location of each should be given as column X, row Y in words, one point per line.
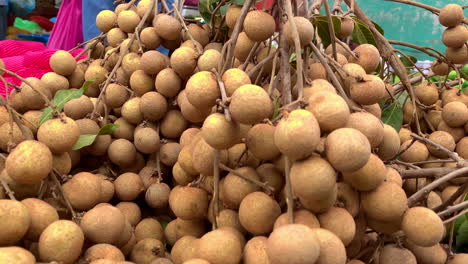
column 61, row 98
column 462, row 235
column 362, row 33
column 88, row 139
column 206, row 8
column 408, row 61
column 321, row 24
column 393, row 115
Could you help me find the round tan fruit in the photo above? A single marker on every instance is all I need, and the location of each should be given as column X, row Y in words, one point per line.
column 235, row 188
column 369, row 91
column 61, row 241
column 83, row 190
column 103, row 224
column 304, row 28
column 444, row 139
column 127, row 20
column 59, row 134
column 423, row 227
column 298, row 134
column 416, row 152
column 293, row 244
column 427, row 93
column 15, row 220
column 428, row 255
column 390, row 145
column 440, row 68
column 377, row 205
column 168, row 27
column 368, row 57
column 451, row 15
column 330, row 109
column 243, row 46
column 368, row 177
column 340, row 222
column 147, row 250
column 302, row 217
column 347, row 149
column 55, row 82
column 42, row 215
column 369, row 125
column 62, row 63
column 202, row 89
column 103, row 251
column 347, row 27
column 455, row 37
column 220, row 246
column 455, row 114
column 189, row 203
column 255, row 250
column 258, row 212
column 233, row 79
column 250, row 104
column 220, row 133
column 260, row 141
column 16, row 255
column 259, row 25
column 393, row 254
column 332, row 250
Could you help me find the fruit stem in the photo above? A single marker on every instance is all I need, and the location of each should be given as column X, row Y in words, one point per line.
column 289, row 195
column 331, row 29
column 216, row 188
column 7, row 189
column 101, row 36
column 453, row 155
column 264, row 185
column 461, row 191
column 179, row 16
column 54, row 177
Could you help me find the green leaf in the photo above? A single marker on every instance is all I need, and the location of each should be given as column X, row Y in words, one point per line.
column 108, row 129
column 462, row 236
column 205, row 8
column 84, row 141
column 434, row 79
column 238, row 2
column 62, row 97
column 362, row 34
column 452, row 75
column 408, row 61
column 379, row 28
column 276, row 109
column 163, row 224
column 396, row 79
column 393, row 115
column 223, row 9
column 321, row 23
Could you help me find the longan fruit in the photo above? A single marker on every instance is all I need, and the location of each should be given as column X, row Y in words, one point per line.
column 18, row 255
column 199, row 34
column 122, row 152
column 255, row 250
column 312, row 178
column 42, row 214
column 232, row 15
column 83, row 190
column 250, row 104
column 258, row 212
column 194, row 228
column 459, row 258
column 377, row 205
column 11, row 135
column 456, row 132
column 263, row 55
column 55, row 82
column 304, row 28
column 149, row 228
column 61, row 241
column 340, row 222
column 128, row 186
column 416, row 152
column 127, row 20
column 105, row 20
column 433, row 200
column 235, row 188
column 457, row 55
column 316, row 86
column 243, row 46
column 146, row 140
column 29, row 163
column 103, row 251
column 393, row 175
column 451, row 15
column 168, row 27
column 423, row 226
column 301, row 216
column 103, row 224
column 20, row 190
column 393, row 254
column 349, row 198
column 320, row 205
column 220, row 246
column 347, row 27
column 330, row 109
column 184, row 61
column 150, row 38
column 444, row 139
column 107, row 190
column 347, row 149
column 202, row 89
column 233, row 79
column 428, row 255
column 261, row 142
column 15, row 221
column 125, row 130
column 157, row 195
column 168, row 83
column 190, row 112
column 152, row 62
column 455, row 114
column 369, row 91
column 209, row 60
column 189, row 203
column 230, row 218
column 427, row 93
column 220, row 133
column 462, row 148
column 368, row 57
column 293, row 244
column 332, row 249
column 455, row 37
column 62, row 63
column 173, row 124
column 298, row 134
column 390, row 144
column 33, row 96
column 131, row 211
column 184, row 249
column 259, row 25
column 78, row 108
column 316, row 70
column 147, row 250
column 369, row 177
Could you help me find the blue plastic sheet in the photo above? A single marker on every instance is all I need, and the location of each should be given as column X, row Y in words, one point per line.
column 21, row 7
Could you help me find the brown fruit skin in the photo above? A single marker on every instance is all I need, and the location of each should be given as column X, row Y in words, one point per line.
column 458, row 259
column 106, row 20
column 61, row 241
column 259, row 25
column 168, row 83
column 347, row 149
column 141, row 83
column 153, row 106
column 59, row 134
column 168, row 27
column 15, row 221
column 293, row 244
column 10, row 136
column 233, row 79
column 369, row 125
column 368, row 177
column 157, row 195
column 416, row 152
column 332, row 250
column 457, row 55
column 462, row 148
column 122, row 152
column 347, row 27
column 184, row 61
column 312, row 178
column 55, row 82
column 169, row 153
column 150, row 38
column 16, row 255
column 62, row 63
column 301, row 216
column 184, row 249
column 451, row 15
column 316, row 71
column 147, row 250
column 340, row 222
column 423, row 227
column 128, row 186
column 304, row 29
column 258, row 212
column 250, row 104
column 377, row 205
column 83, row 190
column 202, row 89
column 131, row 211
column 232, row 15
column 116, row 95
column 393, row 254
column 260, row 141
column 330, row 109
column 428, row 255
column 42, row 214
column 255, row 251
column 297, row 135
column 455, row 114
column 235, row 188
column 440, row 68
column 368, row 57
column 127, row 20
column 220, row 133
column 199, row 34
column 103, row 252
column 369, row 91
column 31, row 97
column 243, row 46
column 103, row 224
column 149, row 228
column 427, row 93
column 189, row 203
column 455, row 37
column 147, row 140
column 444, row 139
column 29, row 163
column 390, row 144
column 349, row 198
column 220, row 246
column 393, row 176
column 456, row 132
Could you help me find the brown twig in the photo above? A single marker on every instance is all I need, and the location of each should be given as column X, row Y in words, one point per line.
column 55, row 178
column 453, row 218
column 268, row 189
column 96, row 40
column 224, row 98
column 461, row 190
column 179, row 16
column 101, row 36
column 249, row 57
column 451, row 154
column 216, row 188
column 455, row 208
column 260, row 64
column 425, row 173
column 331, row 28
column 7, row 189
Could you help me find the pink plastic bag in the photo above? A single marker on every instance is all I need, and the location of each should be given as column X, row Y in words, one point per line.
column 68, row 30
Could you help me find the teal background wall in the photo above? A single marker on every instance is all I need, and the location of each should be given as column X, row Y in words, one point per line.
column 409, row 23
